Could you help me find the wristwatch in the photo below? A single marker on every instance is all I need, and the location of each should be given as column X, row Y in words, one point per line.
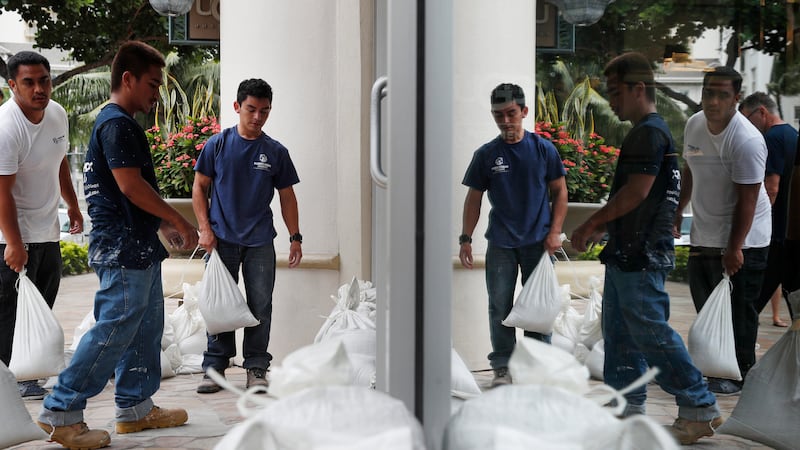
column 464, row 239
column 296, row 237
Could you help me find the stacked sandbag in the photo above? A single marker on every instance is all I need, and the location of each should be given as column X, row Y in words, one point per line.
column 182, row 343
column 581, row 334
column 329, row 417
column 550, row 405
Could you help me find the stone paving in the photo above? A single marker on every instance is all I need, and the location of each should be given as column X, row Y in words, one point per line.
column 210, row 416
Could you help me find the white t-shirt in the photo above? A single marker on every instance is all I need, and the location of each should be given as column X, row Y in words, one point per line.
column 34, row 153
column 737, row 155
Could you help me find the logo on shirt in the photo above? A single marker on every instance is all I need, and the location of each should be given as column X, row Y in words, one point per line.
column 59, row 139
column 262, row 163
column 499, row 165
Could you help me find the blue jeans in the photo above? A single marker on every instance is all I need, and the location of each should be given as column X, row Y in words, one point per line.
column 258, row 270
column 125, row 342
column 44, row 270
column 705, row 272
column 637, row 335
column 502, row 267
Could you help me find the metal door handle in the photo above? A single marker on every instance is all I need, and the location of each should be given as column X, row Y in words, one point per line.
column 379, row 90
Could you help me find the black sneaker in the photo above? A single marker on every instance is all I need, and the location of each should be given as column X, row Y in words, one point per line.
column 208, row 386
column 30, row 390
column 723, row 387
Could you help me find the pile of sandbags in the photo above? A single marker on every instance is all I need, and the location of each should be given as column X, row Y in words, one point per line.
column 183, row 342
column 551, row 405
column 16, row 425
column 581, row 334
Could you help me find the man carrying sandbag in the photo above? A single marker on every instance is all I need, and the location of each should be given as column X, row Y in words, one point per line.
column 732, row 224
column 638, row 218
column 243, row 167
column 522, row 174
column 34, row 175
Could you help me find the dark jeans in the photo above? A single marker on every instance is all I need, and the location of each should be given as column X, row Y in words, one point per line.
column 502, row 267
column 705, row 272
column 258, row 270
column 776, row 272
column 44, row 269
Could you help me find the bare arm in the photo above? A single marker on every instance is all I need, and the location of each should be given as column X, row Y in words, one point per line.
column 68, row 194
column 558, row 197
column 291, row 219
column 471, row 214
column 631, row 195
column 200, row 188
column 141, row 194
column 15, row 255
column 686, row 195
column 771, row 183
column 747, row 196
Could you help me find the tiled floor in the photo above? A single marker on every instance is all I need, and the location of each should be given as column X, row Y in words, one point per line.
column 211, row 415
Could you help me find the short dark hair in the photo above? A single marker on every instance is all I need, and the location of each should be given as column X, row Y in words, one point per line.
column 631, row 68
column 756, row 99
column 25, row 58
column 724, row 73
column 254, row 87
column 507, row 92
column 135, row 57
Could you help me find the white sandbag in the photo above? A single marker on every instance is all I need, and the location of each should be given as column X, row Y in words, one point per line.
column 546, row 417
column 87, row 323
column 173, row 354
column 192, row 363
column 168, row 336
column 361, row 348
column 591, row 330
column 195, row 344
column 769, row 405
column 166, row 366
column 564, row 343
column 220, row 301
column 534, row 362
column 462, row 383
column 186, row 319
column 329, row 418
column 596, row 359
column 539, row 301
column 362, row 371
column 16, row 425
column 711, row 343
column 345, row 314
column 38, row 347
column 320, row 364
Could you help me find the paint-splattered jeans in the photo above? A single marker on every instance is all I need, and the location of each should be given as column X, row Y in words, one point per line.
column 125, row 342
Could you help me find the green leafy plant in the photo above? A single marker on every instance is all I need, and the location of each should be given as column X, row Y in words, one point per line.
column 175, row 154
column 680, row 273
column 75, row 258
column 589, row 164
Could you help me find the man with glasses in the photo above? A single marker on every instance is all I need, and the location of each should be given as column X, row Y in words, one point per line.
column 781, row 141
column 726, row 157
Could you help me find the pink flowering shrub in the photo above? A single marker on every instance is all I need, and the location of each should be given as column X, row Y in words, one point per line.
column 175, row 154
column 590, row 165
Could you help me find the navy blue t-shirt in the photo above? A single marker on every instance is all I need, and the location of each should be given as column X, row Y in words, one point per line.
column 781, row 146
column 642, row 239
column 122, row 234
column 516, row 177
column 245, row 174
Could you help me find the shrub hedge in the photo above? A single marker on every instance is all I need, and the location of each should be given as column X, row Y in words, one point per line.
column 75, row 258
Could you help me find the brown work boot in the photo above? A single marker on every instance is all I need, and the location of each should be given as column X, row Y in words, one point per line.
column 257, row 377
column 688, row 432
column 156, row 418
column 76, row 436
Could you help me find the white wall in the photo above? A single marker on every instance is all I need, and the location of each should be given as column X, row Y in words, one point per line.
column 13, row 28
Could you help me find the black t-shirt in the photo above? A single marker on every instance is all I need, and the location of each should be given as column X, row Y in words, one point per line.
column 642, row 239
column 122, row 234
